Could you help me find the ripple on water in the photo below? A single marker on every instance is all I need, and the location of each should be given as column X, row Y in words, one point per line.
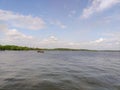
column 59, row 71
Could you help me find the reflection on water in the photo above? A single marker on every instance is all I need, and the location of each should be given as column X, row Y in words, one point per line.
column 59, row 70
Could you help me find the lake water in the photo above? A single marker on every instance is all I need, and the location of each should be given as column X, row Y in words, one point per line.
column 59, row 70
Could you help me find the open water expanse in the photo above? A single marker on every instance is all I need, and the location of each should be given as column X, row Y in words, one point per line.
column 59, row 70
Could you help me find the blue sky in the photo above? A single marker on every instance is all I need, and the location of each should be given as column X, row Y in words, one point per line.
column 90, row 24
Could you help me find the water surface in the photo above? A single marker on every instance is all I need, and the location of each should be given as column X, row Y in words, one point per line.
column 59, row 70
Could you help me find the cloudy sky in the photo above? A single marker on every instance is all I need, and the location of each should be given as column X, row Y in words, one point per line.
column 88, row 24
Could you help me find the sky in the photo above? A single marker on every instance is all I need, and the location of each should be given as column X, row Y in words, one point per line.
column 79, row 24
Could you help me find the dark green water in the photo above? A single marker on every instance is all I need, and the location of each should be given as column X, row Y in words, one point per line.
column 59, row 70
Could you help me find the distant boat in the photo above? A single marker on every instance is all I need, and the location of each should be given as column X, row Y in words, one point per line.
column 40, row 51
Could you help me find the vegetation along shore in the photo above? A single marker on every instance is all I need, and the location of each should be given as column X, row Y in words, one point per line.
column 19, row 48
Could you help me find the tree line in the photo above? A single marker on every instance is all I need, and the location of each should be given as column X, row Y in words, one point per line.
column 17, row 48
column 14, row 47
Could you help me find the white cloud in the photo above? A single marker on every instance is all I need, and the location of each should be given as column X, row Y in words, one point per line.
column 58, row 23
column 13, row 36
column 111, row 42
column 50, row 39
column 99, row 40
column 98, row 6
column 48, row 42
column 21, row 21
column 72, row 13
column 3, row 27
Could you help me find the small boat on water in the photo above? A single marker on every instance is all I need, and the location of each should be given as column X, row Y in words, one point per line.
column 40, row 51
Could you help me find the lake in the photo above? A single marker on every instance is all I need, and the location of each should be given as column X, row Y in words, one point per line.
column 59, row 70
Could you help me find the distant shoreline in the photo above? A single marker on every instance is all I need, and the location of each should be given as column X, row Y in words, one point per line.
column 22, row 48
